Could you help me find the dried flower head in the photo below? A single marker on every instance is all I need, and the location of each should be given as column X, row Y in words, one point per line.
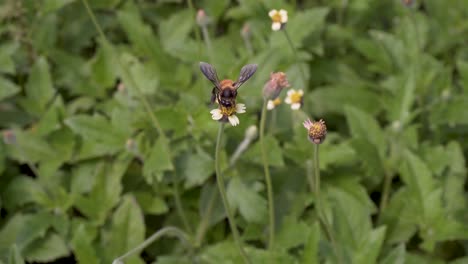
column 274, row 86
column 317, row 131
column 272, row 104
column 279, row 19
column 294, row 98
column 9, row 137
column 225, row 114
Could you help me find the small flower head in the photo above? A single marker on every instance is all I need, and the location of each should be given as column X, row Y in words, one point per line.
column 9, row 137
column 225, row 114
column 272, row 104
column 246, row 31
column 408, row 3
column 317, row 131
column 279, row 19
column 274, row 86
column 294, row 98
column 202, row 19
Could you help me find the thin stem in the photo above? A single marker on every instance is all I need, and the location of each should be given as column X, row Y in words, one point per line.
column 142, row 98
column 178, row 203
column 271, row 205
column 201, row 230
column 295, row 55
column 320, row 209
column 206, row 37
column 197, row 30
column 222, row 191
column 160, row 233
column 385, row 191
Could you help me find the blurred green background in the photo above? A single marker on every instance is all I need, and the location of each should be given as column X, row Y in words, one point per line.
column 85, row 174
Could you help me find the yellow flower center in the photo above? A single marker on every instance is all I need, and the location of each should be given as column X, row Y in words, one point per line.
column 296, row 98
column 276, row 17
column 277, row 101
column 228, row 111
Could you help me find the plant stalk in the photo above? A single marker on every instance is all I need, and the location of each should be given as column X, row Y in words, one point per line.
column 271, row 205
column 288, row 38
column 168, row 230
column 222, row 191
column 320, row 209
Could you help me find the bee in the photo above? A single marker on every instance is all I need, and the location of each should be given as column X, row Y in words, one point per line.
column 225, row 91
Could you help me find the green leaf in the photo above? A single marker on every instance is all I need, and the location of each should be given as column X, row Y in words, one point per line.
column 22, row 190
column 364, row 126
column 252, row 206
column 15, row 256
column 157, row 161
column 8, row 88
column 274, row 152
column 7, row 65
column 199, row 167
column 396, row 256
column 46, row 249
column 311, row 247
column 82, row 246
column 104, row 68
column 151, row 204
column 39, row 88
column 126, row 232
column 34, row 228
column 369, row 249
column 293, row 233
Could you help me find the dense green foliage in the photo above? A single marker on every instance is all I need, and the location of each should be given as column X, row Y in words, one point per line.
column 86, row 175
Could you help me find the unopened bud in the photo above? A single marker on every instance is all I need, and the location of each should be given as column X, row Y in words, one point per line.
column 276, row 83
column 131, row 145
column 445, row 94
column 9, row 137
column 202, row 19
column 251, row 132
column 408, row 3
column 246, row 31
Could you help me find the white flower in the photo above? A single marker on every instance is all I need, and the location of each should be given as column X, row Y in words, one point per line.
column 228, row 114
column 271, row 104
column 279, row 18
column 294, row 98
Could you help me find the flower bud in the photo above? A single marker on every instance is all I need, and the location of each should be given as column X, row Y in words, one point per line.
column 202, row 19
column 251, row 132
column 9, row 137
column 246, row 31
column 276, row 83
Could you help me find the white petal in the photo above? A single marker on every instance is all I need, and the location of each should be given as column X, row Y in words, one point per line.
column 270, row 105
column 234, row 120
column 272, row 12
column 216, row 114
column 295, row 106
column 301, row 92
column 288, row 100
column 276, row 26
column 291, row 92
column 240, row 108
column 283, row 15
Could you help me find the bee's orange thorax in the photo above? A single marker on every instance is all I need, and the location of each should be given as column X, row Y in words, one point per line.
column 226, row 83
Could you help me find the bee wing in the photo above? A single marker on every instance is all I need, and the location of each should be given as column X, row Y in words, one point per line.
column 210, row 73
column 246, row 72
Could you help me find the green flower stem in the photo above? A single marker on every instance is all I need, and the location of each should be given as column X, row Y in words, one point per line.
column 206, row 37
column 271, row 205
column 146, row 105
column 222, row 191
column 197, row 30
column 169, row 230
column 288, row 38
column 202, row 227
column 320, row 209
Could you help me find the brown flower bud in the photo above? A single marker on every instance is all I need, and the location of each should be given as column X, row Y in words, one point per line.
column 317, row 131
column 274, row 85
column 246, row 31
